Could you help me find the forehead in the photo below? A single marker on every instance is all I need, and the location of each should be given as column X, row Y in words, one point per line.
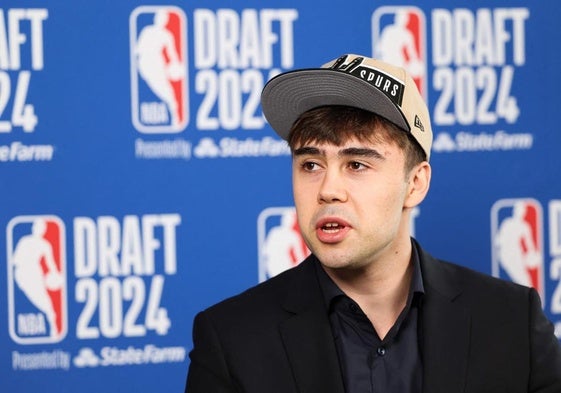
column 346, row 134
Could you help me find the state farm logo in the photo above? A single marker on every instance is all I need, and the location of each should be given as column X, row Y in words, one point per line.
column 37, row 293
column 280, row 243
column 517, row 242
column 114, row 356
column 158, row 69
column 398, row 37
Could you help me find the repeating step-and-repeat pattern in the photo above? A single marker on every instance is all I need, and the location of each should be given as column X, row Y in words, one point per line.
column 140, row 182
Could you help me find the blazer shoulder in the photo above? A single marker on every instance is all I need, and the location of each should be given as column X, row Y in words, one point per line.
column 269, row 295
column 453, row 280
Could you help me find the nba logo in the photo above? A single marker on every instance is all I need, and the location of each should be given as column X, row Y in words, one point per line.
column 280, row 243
column 517, row 242
column 37, row 279
column 398, row 37
column 158, row 57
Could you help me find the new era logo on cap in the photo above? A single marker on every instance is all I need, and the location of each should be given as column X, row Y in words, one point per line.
column 418, row 123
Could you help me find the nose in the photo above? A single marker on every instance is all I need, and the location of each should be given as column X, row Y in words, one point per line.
column 332, row 188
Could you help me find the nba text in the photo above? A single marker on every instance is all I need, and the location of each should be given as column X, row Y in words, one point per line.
column 235, row 55
column 120, row 268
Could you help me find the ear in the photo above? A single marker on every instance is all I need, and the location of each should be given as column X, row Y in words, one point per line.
column 418, row 184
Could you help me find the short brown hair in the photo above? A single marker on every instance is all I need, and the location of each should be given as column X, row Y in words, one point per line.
column 336, row 124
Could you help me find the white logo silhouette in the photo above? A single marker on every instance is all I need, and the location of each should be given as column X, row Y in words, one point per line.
column 517, row 252
column 444, row 143
column 28, row 272
column 207, row 148
column 396, row 45
column 86, row 358
column 153, row 66
column 283, row 247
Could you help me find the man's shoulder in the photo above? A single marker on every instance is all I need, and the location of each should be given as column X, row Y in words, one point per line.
column 475, row 286
column 268, row 296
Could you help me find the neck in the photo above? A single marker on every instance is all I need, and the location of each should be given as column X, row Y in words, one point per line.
column 380, row 288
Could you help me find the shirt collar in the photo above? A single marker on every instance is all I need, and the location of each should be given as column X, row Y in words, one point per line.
column 330, row 290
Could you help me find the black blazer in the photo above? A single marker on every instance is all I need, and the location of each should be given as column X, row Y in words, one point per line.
column 480, row 335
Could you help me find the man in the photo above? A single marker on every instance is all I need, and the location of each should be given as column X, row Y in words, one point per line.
column 369, row 310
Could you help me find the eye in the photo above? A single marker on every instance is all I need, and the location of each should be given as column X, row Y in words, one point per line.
column 310, row 166
column 356, row 166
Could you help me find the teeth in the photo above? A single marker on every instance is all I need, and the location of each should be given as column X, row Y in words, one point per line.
column 331, row 227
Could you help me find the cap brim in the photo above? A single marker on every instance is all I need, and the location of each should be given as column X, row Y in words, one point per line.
column 287, row 96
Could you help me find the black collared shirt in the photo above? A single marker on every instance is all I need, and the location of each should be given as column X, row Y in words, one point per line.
column 369, row 364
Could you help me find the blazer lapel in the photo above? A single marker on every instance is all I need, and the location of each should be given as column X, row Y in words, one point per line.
column 307, row 336
column 311, row 351
column 445, row 330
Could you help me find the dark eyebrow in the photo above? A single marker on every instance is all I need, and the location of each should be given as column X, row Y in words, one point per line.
column 361, row 152
column 348, row 152
column 307, row 150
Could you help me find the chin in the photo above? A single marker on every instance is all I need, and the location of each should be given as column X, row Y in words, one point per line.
column 333, row 260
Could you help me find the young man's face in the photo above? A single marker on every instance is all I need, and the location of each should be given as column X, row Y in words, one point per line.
column 350, row 200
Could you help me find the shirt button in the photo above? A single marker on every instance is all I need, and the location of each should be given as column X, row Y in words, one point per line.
column 381, row 351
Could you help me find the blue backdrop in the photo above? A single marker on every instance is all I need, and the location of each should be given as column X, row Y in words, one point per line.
column 140, row 182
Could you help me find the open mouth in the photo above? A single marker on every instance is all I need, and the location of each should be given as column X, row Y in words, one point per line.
column 332, row 227
column 332, row 230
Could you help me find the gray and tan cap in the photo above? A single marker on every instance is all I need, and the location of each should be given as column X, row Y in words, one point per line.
column 350, row 80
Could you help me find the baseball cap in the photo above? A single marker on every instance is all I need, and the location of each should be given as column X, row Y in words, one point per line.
column 350, row 80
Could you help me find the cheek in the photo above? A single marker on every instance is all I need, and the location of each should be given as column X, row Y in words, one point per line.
column 305, row 227
column 296, row 186
column 396, row 202
column 299, row 195
column 304, row 208
column 303, row 191
column 386, row 200
column 303, row 202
